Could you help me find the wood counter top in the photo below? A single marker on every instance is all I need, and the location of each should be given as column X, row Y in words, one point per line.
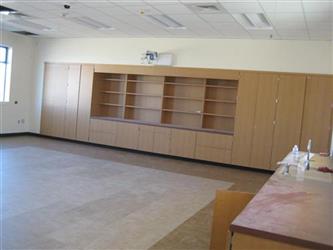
column 293, row 209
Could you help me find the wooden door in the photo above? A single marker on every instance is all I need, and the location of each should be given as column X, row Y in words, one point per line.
column 182, row 143
column 261, row 150
column 72, row 96
column 54, row 99
column 84, row 105
column 317, row 113
column 289, row 112
column 245, row 118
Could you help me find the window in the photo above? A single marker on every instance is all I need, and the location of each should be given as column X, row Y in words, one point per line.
column 5, row 72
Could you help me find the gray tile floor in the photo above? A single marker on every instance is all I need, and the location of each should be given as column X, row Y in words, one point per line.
column 192, row 234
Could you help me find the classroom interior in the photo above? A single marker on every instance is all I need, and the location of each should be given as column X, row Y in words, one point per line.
column 166, row 124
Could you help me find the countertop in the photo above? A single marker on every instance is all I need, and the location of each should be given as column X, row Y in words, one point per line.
column 295, row 209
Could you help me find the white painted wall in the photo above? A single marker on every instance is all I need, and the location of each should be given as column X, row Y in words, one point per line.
column 23, row 64
column 270, row 55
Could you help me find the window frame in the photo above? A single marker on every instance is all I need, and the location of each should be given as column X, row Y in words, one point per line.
column 6, row 84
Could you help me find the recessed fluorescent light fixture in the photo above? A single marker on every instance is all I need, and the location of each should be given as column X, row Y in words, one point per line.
column 6, row 11
column 166, row 21
column 29, row 24
column 253, row 21
column 91, row 23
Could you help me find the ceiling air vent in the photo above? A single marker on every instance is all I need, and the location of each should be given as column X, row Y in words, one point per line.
column 29, row 24
column 206, row 8
column 25, row 33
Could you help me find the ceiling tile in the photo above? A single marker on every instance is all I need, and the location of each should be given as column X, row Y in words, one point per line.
column 242, row 7
column 320, row 25
column 318, row 16
column 172, row 9
column 217, row 17
column 318, row 6
column 141, row 9
column 285, row 17
column 263, row 34
column 289, row 25
column 281, row 6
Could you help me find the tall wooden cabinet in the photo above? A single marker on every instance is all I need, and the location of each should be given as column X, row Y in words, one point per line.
column 264, row 121
column 269, row 118
column 84, row 104
column 288, row 117
column 59, row 110
column 245, row 118
column 317, row 113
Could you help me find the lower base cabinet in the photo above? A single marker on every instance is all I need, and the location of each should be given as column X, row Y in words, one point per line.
column 127, row 135
column 146, row 138
column 182, row 143
column 161, row 140
column 213, row 147
column 103, row 132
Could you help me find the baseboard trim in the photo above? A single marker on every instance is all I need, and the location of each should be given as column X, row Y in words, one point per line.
column 149, row 153
column 16, row 134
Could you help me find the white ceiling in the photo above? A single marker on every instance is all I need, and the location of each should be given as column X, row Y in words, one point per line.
column 291, row 19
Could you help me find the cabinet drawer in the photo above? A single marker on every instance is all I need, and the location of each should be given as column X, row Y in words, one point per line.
column 182, row 143
column 214, row 140
column 103, row 126
column 161, row 139
column 213, row 154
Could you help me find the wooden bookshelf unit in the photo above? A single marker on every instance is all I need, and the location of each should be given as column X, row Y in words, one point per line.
column 172, row 101
column 239, row 117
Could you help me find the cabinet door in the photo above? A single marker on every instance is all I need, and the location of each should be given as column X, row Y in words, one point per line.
column 289, row 112
column 84, row 105
column 213, row 147
column 127, row 135
column 54, row 99
column 161, row 143
column 317, row 113
column 73, row 85
column 261, row 150
column 182, row 143
column 146, row 138
column 244, row 120
column 103, row 132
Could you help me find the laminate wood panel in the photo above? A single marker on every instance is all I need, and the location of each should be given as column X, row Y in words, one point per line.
column 228, row 204
column 245, row 119
column 182, row 143
column 261, row 148
column 247, row 242
column 104, row 126
column 72, row 97
column 161, row 143
column 84, row 105
column 289, row 113
column 317, row 113
column 146, row 138
column 213, row 154
column 54, row 99
column 214, row 140
column 169, row 71
column 127, row 135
